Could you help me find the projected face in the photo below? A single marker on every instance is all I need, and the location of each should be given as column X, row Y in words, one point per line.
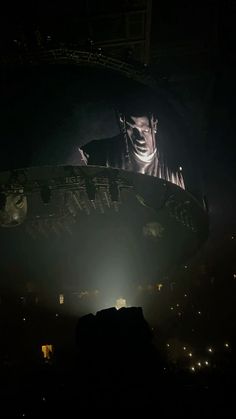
column 141, row 132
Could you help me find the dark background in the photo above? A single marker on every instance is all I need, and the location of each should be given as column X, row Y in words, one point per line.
column 189, row 49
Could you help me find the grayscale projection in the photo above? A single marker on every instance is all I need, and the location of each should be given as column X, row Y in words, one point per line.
column 136, row 150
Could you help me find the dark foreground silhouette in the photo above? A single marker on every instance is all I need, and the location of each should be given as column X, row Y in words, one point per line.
column 113, row 365
column 117, row 355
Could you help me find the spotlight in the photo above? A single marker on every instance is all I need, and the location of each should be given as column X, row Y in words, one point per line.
column 120, row 302
column 46, row 194
column 13, row 209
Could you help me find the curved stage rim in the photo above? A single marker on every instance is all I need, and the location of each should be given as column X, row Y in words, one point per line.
column 132, row 223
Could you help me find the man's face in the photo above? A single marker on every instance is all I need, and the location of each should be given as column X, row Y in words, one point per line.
column 141, row 135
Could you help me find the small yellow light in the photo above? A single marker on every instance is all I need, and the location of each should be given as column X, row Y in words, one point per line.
column 226, row 345
column 210, row 350
column 61, row 299
column 193, row 368
column 206, row 362
column 190, row 354
column 120, row 303
column 199, row 364
column 47, row 351
column 184, row 348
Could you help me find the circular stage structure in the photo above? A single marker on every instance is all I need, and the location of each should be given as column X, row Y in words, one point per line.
column 121, row 227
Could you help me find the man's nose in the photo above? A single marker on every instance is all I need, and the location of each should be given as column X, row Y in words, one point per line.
column 139, row 134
